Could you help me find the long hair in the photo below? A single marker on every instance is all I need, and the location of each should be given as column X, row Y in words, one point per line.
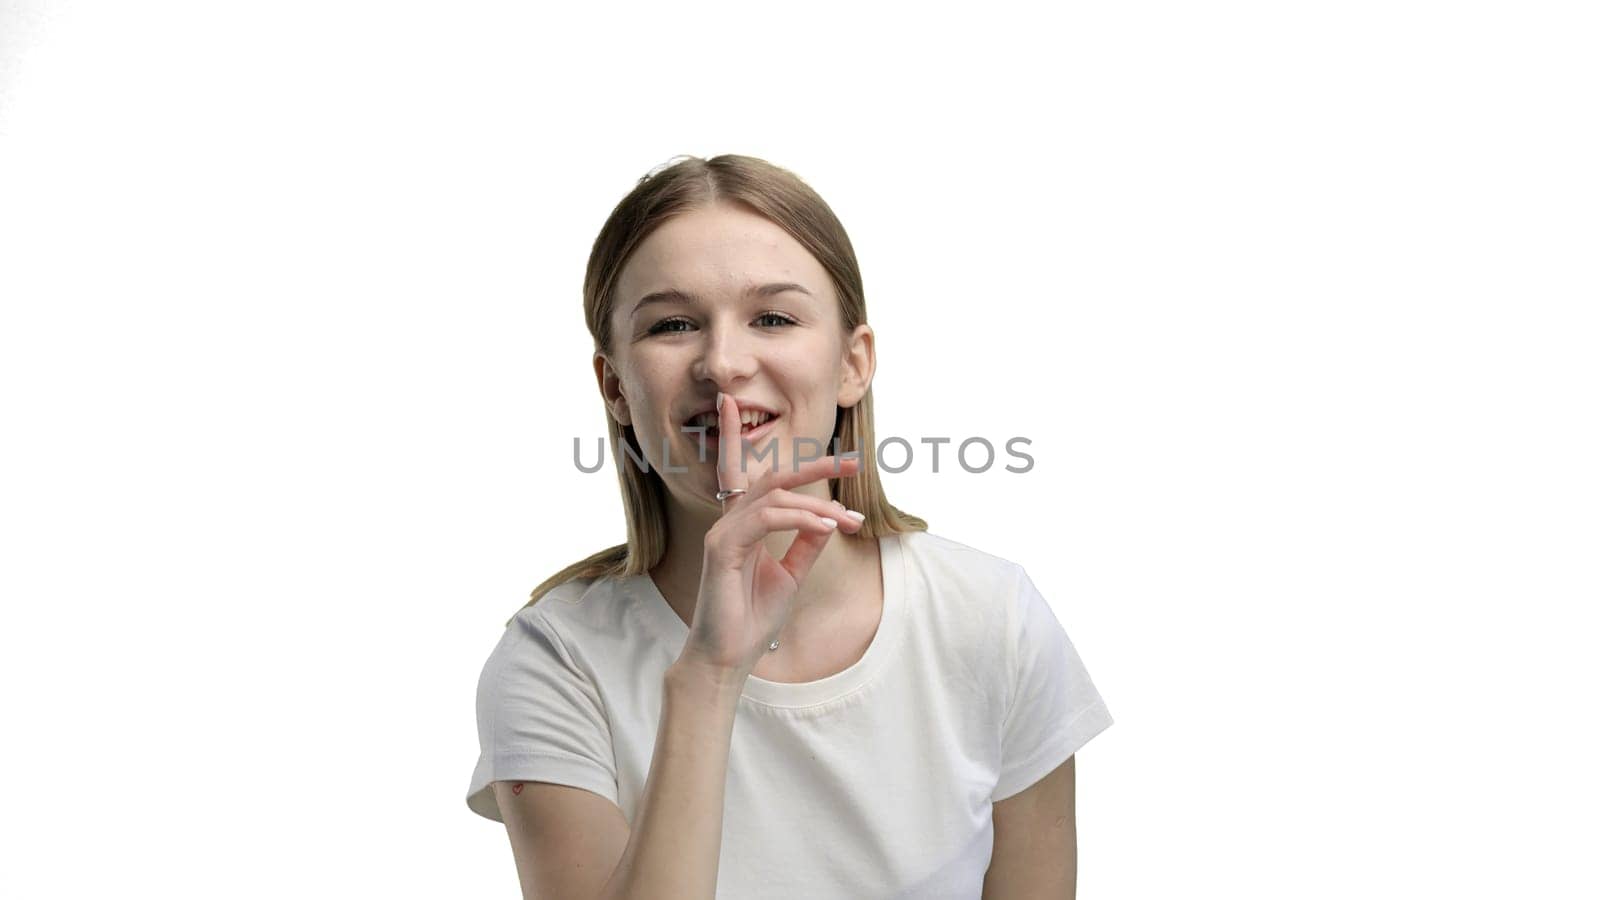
column 687, row 184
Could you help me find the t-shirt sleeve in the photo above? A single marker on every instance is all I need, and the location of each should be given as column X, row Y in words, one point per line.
column 540, row 717
column 1054, row 708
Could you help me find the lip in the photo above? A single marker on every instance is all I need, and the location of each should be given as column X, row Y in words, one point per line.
column 742, row 403
column 758, row 432
column 713, row 447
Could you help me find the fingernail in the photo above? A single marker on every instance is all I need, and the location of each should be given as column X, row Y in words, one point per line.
column 859, row 517
column 829, row 522
column 719, row 401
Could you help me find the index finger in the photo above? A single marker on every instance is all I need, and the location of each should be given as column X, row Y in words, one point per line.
column 730, row 469
column 841, row 466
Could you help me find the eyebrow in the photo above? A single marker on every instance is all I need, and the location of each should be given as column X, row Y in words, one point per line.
column 673, row 295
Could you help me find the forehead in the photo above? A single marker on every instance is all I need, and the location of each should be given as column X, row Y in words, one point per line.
column 715, row 253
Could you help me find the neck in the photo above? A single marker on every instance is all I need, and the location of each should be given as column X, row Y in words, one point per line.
column 677, row 575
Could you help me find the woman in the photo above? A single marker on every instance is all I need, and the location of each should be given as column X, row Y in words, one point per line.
column 781, row 685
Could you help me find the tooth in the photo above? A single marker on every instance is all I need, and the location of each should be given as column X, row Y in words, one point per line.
column 749, row 417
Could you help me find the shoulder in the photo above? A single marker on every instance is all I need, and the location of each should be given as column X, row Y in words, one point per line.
column 575, row 622
column 575, row 607
column 960, row 566
column 559, row 650
column 969, row 597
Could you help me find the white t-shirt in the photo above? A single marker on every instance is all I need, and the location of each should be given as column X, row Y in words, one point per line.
column 876, row 781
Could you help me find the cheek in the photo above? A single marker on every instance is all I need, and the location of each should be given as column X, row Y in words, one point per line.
column 651, row 391
column 816, row 394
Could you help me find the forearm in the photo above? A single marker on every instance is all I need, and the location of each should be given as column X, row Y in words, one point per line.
column 675, row 841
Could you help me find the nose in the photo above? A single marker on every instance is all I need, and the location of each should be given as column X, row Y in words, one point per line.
column 726, row 357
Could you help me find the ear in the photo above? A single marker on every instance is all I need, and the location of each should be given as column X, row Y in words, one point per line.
column 860, row 360
column 611, row 390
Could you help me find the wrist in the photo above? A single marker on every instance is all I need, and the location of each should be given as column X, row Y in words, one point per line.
column 691, row 673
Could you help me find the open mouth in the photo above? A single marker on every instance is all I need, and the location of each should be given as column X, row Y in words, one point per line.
column 752, row 423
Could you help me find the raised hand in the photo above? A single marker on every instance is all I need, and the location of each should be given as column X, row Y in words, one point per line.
column 746, row 595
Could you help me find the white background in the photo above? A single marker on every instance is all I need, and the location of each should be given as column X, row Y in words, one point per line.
column 1296, row 302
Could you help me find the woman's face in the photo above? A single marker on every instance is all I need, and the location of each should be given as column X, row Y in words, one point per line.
column 721, row 299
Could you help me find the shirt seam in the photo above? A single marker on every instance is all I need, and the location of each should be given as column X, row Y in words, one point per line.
column 1060, row 737
column 502, row 663
column 1062, row 733
column 594, row 684
column 1013, row 637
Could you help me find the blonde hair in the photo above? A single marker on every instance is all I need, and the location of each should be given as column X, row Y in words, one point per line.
column 779, row 195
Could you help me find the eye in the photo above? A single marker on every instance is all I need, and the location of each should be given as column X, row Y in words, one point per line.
column 678, row 324
column 669, row 325
column 775, row 318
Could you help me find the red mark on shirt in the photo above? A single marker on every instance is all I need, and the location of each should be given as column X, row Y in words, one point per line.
column 516, row 788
